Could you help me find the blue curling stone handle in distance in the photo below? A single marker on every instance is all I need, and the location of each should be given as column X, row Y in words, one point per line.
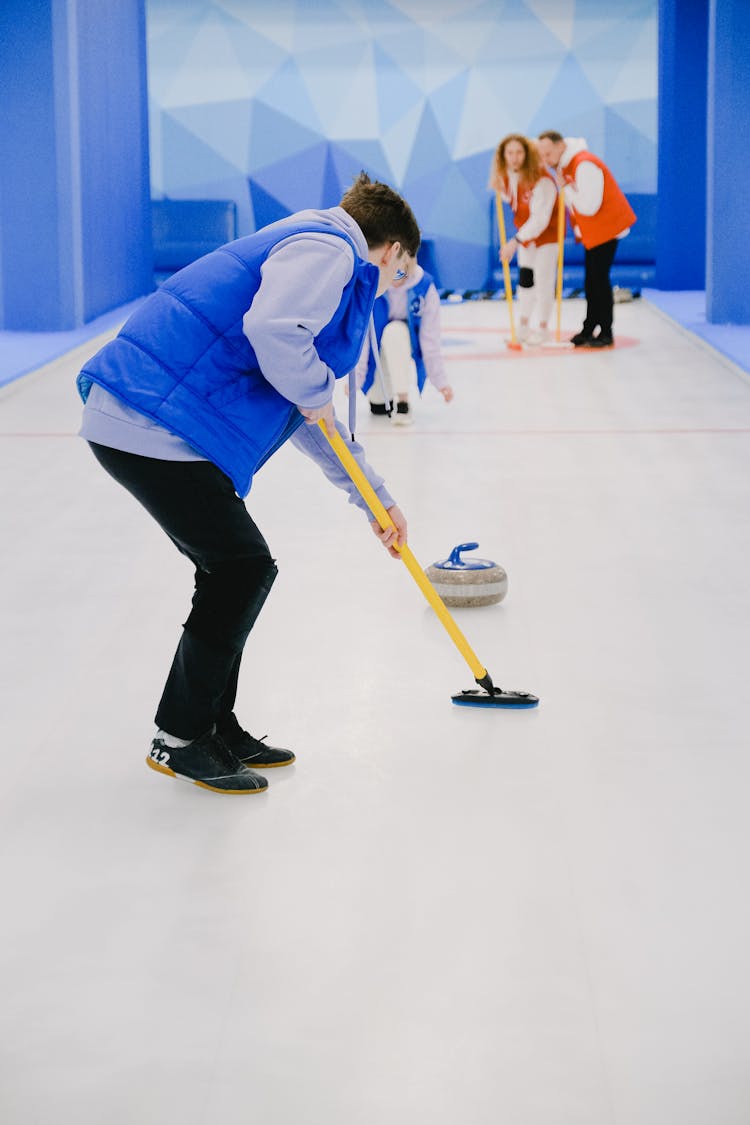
column 455, row 562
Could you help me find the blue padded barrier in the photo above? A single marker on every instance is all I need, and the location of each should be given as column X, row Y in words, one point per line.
column 186, row 229
column 426, row 259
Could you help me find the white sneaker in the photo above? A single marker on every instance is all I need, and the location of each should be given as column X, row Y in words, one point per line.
column 537, row 336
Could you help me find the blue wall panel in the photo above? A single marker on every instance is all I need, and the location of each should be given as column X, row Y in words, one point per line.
column 114, row 166
column 728, row 216
column 683, row 76
column 75, row 202
column 417, row 94
column 34, row 205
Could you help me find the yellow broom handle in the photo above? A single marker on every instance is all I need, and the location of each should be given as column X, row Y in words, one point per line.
column 560, row 242
column 367, row 493
column 506, row 267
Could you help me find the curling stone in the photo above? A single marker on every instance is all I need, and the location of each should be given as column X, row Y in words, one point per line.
column 468, row 582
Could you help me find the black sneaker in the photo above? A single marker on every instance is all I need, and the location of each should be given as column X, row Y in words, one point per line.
column 252, row 751
column 582, row 338
column 208, row 762
column 381, row 408
column 603, row 340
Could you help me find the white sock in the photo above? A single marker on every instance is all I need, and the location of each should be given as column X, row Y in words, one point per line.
column 172, row 739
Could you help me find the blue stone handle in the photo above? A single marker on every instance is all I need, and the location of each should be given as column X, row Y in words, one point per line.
column 455, row 555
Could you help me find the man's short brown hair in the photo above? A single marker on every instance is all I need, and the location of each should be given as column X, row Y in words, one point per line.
column 381, row 214
column 551, row 135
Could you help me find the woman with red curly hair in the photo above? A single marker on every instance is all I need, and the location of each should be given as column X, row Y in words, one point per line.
column 517, row 173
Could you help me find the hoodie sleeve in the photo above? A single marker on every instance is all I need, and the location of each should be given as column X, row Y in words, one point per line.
column 301, row 285
column 586, row 194
column 429, row 339
column 310, row 440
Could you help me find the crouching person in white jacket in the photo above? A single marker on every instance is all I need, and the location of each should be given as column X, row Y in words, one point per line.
column 407, row 329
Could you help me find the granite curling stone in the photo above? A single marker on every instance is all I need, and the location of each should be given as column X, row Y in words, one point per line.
column 468, row 582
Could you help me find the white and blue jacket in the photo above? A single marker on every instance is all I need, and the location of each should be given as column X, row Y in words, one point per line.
column 418, row 304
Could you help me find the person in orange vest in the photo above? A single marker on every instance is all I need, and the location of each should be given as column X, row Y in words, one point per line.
column 601, row 215
column 532, row 194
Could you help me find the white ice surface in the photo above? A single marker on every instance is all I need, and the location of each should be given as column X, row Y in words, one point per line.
column 439, row 915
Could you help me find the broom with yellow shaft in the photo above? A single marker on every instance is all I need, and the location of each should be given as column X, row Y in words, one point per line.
column 558, row 342
column 513, row 342
column 491, row 695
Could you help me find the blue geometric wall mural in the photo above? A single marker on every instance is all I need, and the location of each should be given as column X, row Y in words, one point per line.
column 278, row 104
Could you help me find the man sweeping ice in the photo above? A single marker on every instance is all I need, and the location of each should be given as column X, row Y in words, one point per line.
column 206, row 380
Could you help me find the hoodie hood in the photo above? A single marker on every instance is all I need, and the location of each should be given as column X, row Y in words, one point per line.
column 573, row 145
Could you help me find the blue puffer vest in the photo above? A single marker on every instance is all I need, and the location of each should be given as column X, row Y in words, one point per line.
column 381, row 316
column 183, row 359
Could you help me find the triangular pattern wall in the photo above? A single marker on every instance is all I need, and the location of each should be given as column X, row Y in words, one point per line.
column 279, row 105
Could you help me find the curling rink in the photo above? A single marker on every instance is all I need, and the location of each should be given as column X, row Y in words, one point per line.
column 439, row 915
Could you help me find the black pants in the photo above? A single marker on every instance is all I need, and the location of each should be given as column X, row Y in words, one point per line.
column 599, row 303
column 196, row 505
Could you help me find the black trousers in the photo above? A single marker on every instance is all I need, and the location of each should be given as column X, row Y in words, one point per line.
column 599, row 303
column 196, row 505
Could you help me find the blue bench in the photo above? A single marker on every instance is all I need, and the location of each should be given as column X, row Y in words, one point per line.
column 186, row 229
column 635, row 261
